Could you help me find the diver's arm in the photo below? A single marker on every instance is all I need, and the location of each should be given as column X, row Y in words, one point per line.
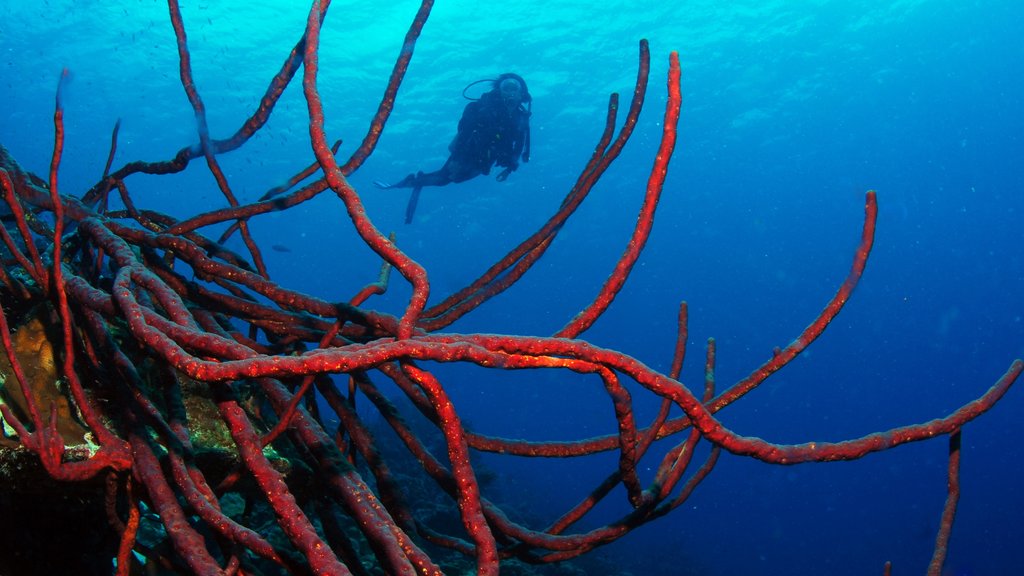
column 517, row 150
column 520, row 147
column 519, row 142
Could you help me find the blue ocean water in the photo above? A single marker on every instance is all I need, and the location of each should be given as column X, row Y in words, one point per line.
column 792, row 110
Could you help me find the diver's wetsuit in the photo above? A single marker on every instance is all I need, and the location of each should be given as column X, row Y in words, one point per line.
column 488, row 134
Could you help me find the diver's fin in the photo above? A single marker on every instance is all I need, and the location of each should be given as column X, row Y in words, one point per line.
column 410, row 209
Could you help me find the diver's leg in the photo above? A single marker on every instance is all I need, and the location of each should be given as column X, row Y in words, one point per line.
column 419, row 180
column 410, row 208
column 460, row 171
column 438, row 178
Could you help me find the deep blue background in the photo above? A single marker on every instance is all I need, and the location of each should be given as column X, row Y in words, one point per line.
column 792, row 110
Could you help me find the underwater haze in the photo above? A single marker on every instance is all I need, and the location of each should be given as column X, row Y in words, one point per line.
column 792, row 110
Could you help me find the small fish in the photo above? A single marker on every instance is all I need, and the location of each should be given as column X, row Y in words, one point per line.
column 280, row 248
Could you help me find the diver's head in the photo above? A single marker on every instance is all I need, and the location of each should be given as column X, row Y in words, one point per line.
column 511, row 91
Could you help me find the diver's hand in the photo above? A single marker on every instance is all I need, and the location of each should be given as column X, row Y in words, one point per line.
column 504, row 173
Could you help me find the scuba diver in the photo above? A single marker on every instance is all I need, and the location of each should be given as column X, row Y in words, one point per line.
column 494, row 130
